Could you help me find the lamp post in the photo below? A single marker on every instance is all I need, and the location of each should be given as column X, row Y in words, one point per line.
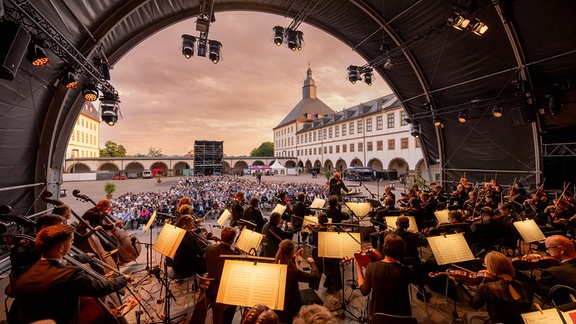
column 74, row 153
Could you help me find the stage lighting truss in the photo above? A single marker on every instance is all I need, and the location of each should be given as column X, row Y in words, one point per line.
column 109, row 108
column 356, row 73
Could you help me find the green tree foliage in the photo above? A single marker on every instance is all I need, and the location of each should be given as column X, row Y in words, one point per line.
column 112, row 149
column 265, row 149
column 153, row 152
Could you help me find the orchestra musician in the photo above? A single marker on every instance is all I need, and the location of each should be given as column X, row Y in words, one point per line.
column 253, row 214
column 334, row 211
column 328, row 266
column 336, row 185
column 562, row 249
column 388, row 280
column 49, row 289
column 273, row 235
column 300, row 210
column 388, row 193
column 506, row 299
column 189, row 257
column 284, row 200
column 486, row 231
column 459, row 196
column 378, row 219
column 237, row 209
column 286, row 254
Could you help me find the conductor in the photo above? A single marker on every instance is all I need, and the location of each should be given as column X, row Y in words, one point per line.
column 337, row 185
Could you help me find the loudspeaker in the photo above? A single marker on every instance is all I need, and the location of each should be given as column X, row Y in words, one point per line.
column 522, row 115
column 13, row 45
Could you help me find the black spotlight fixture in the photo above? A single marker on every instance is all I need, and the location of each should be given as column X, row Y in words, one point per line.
column 368, row 75
column 353, row 73
column 90, row 92
column 436, row 121
column 415, row 130
column 109, row 106
column 36, row 55
column 462, row 117
column 458, row 21
column 70, row 80
column 388, row 64
column 278, row 35
column 497, row 112
column 214, row 54
column 477, row 27
column 292, row 38
column 202, row 48
column 188, row 42
column 299, row 39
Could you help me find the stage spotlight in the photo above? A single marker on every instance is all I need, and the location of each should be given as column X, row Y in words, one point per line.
column 437, row 122
column 202, row 48
column 477, row 27
column 299, row 40
column 109, row 105
column 415, row 130
column 214, row 55
column 36, row 55
column 353, row 73
column 462, row 117
column 368, row 75
column 389, row 64
column 497, row 112
column 188, row 42
column 90, row 92
column 278, row 35
column 292, row 38
column 457, row 21
column 70, row 80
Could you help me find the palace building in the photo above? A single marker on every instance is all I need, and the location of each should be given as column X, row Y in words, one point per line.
column 85, row 139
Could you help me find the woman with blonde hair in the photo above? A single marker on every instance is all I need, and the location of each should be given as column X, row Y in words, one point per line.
column 505, row 298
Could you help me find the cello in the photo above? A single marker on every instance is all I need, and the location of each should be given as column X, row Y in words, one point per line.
column 128, row 245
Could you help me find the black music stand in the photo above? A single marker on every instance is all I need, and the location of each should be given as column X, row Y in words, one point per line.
column 148, row 247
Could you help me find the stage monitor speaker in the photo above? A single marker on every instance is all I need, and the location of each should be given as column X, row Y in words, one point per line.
column 522, row 115
column 13, row 45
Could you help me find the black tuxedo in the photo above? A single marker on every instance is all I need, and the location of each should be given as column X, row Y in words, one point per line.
column 563, row 274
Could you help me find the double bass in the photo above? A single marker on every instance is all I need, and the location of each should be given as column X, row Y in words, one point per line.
column 129, row 247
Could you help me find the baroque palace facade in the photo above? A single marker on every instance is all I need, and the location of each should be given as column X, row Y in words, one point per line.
column 373, row 134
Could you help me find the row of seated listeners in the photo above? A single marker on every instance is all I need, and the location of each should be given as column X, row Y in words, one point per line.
column 308, row 314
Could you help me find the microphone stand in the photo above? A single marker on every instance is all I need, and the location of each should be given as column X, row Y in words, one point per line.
column 370, row 192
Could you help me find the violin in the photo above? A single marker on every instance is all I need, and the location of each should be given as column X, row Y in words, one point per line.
column 534, row 261
column 468, row 278
column 371, row 255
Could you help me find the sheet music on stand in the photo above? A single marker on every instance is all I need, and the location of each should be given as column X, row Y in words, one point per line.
column 441, row 216
column 280, row 209
column 150, row 221
column 545, row 316
column 569, row 317
column 451, row 248
column 312, row 220
column 338, row 244
column 246, row 283
column 249, row 240
column 169, row 240
column 317, row 203
column 529, row 231
column 360, row 209
column 224, row 217
column 391, row 221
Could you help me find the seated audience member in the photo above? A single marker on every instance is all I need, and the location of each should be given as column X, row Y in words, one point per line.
column 268, row 317
column 562, row 249
column 314, row 314
column 505, row 298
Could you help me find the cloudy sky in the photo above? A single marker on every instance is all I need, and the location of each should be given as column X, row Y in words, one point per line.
column 168, row 101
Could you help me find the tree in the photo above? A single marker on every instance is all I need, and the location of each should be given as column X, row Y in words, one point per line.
column 154, row 152
column 265, row 149
column 112, row 149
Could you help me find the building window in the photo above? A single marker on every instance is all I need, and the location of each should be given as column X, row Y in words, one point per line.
column 351, row 147
column 360, row 147
column 314, row 136
column 391, row 144
column 337, row 149
column 404, row 143
column 360, row 126
column 324, row 131
column 369, row 124
column 330, row 132
column 314, row 150
column 351, row 128
column 416, row 142
column 403, row 118
column 378, row 122
column 337, row 131
column 379, row 145
column 325, row 150
column 344, row 147
column 390, row 120
column 309, row 151
column 369, row 146
column 343, row 129
column 330, row 149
